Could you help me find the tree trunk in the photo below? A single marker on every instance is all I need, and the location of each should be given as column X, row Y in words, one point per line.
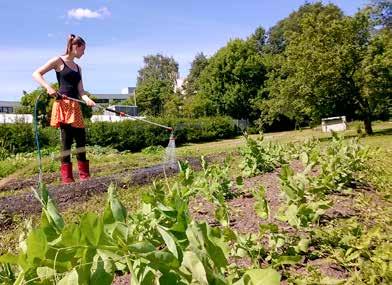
column 368, row 125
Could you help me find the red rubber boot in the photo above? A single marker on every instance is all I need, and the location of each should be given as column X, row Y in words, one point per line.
column 66, row 173
column 84, row 171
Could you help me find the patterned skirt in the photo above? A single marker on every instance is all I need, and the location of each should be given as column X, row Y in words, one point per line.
column 66, row 112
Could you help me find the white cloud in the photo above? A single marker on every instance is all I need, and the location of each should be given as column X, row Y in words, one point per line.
column 81, row 13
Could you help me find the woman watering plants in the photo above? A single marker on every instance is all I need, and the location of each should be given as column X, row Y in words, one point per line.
column 67, row 114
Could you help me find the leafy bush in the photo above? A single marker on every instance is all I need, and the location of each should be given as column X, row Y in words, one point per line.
column 136, row 135
column 259, row 157
column 17, row 137
column 126, row 135
column 153, row 149
column 338, row 165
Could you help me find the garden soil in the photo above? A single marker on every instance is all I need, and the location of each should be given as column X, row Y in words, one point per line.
column 242, row 215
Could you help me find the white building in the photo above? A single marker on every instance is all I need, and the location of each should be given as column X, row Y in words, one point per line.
column 126, row 93
column 8, row 107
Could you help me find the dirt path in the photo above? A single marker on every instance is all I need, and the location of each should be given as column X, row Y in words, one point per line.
column 66, row 195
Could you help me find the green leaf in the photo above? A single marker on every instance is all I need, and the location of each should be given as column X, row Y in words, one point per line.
column 162, row 260
column 71, row 235
column 303, row 245
column 239, row 181
column 169, row 240
column 287, row 259
column 169, row 278
column 70, row 279
column 100, row 276
column 267, row 276
column 45, row 273
column 261, row 204
column 118, row 210
column 9, row 258
column 291, row 215
column 37, row 245
column 91, row 227
column 54, row 214
column 141, row 247
column 304, row 158
column 195, row 266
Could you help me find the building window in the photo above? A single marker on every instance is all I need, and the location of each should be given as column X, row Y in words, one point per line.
column 101, row 101
column 7, row 110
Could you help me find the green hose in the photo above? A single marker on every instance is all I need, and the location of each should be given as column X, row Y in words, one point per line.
column 36, row 134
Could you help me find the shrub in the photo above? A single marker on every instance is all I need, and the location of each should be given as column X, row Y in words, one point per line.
column 126, row 135
column 17, row 137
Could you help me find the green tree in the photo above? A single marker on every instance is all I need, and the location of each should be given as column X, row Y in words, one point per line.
column 198, row 106
column 173, row 105
column 258, row 38
column 374, row 78
column 321, row 70
column 155, row 83
column 232, row 77
column 44, row 104
column 278, row 35
column 197, row 66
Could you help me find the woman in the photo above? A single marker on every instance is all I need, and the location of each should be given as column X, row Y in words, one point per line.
column 67, row 114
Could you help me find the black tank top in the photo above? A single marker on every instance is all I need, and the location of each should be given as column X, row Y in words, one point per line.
column 68, row 80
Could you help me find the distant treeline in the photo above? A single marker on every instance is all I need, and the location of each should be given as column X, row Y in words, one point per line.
column 317, row 62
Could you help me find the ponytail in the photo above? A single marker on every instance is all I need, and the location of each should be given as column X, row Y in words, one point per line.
column 73, row 40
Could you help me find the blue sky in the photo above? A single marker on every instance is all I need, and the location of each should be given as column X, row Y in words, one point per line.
column 119, row 33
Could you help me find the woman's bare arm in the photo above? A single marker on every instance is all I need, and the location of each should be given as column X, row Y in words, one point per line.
column 39, row 73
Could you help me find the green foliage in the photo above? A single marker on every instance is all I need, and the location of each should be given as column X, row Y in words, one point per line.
column 259, row 157
column 151, row 95
column 155, row 83
column 197, row 66
column 363, row 249
column 19, row 138
column 172, row 106
column 327, row 66
column 16, row 137
column 157, row 244
column 44, row 105
column 87, row 111
column 216, row 185
column 197, row 106
column 153, row 149
column 232, row 77
column 375, row 75
column 127, row 135
column 306, row 191
column 135, row 135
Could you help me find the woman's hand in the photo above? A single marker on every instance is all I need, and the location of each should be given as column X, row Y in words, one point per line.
column 51, row 91
column 88, row 101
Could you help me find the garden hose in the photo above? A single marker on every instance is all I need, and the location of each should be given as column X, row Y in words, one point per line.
column 36, row 134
